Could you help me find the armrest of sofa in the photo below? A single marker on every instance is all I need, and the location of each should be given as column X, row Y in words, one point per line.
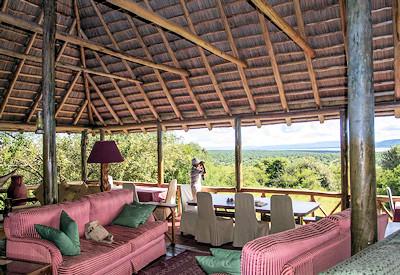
column 34, row 250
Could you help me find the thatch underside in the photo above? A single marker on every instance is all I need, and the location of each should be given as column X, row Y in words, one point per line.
column 169, row 96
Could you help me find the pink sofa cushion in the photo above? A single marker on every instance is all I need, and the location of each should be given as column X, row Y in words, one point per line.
column 343, row 219
column 138, row 237
column 94, row 256
column 105, row 206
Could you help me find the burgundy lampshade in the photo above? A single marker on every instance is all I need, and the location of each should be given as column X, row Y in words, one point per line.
column 105, row 152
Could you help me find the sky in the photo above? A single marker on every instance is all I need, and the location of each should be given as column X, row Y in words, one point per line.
column 307, row 132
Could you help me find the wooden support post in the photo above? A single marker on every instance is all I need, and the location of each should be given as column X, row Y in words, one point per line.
column 361, row 124
column 104, row 168
column 50, row 185
column 238, row 154
column 344, row 159
column 84, row 143
column 160, row 156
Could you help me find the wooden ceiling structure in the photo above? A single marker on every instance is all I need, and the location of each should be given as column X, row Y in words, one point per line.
column 125, row 65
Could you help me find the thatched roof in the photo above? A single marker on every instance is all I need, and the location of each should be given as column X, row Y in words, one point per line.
column 172, row 97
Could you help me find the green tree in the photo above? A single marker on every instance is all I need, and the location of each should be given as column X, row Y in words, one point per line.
column 391, row 158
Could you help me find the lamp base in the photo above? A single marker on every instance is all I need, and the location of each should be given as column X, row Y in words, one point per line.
column 104, row 183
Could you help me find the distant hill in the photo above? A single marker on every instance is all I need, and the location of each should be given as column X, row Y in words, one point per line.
column 387, row 143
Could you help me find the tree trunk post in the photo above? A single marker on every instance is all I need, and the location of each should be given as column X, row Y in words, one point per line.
column 361, row 124
column 160, row 156
column 84, row 143
column 238, row 154
column 50, row 185
column 344, row 159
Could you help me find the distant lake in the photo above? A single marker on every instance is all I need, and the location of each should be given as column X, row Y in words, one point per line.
column 336, row 149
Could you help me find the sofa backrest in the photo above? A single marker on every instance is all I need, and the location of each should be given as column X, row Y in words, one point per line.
column 20, row 224
column 105, row 206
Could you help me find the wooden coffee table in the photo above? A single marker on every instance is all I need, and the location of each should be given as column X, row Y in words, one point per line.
column 17, row 267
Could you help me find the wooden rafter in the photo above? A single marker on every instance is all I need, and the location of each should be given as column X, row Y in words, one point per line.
column 67, row 94
column 148, row 15
column 396, row 41
column 310, row 67
column 39, row 95
column 342, row 10
column 236, row 54
column 21, row 64
column 185, row 79
column 4, row 6
column 98, row 115
column 30, row 26
column 81, row 110
column 206, row 63
column 268, row 11
column 157, row 72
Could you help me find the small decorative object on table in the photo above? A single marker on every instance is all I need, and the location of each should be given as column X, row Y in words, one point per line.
column 230, row 200
column 260, row 203
column 17, row 189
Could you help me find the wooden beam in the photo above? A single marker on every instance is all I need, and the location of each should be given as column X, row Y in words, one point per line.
column 81, row 110
column 342, row 9
column 396, row 41
column 235, row 51
column 50, row 184
column 98, row 115
column 344, row 159
column 310, row 67
column 157, row 72
column 30, row 26
column 67, row 94
column 148, row 15
column 160, row 156
column 4, row 6
column 269, row 12
column 205, row 61
column 238, row 155
column 21, row 64
column 25, row 127
column 84, row 143
column 361, row 125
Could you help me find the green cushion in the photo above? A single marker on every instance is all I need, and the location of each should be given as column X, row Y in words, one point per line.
column 133, row 215
column 59, row 238
column 226, row 253
column 212, row 264
column 70, row 228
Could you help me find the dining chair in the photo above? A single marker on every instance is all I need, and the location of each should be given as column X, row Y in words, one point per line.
column 282, row 217
column 247, row 227
column 394, row 207
column 189, row 212
column 131, row 186
column 164, row 213
column 210, row 228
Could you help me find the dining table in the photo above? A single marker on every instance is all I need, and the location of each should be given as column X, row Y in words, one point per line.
column 262, row 205
column 151, row 194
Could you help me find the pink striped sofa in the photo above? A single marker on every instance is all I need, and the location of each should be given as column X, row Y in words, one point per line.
column 132, row 249
column 308, row 249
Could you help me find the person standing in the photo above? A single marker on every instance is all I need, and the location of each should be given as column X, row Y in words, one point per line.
column 196, row 176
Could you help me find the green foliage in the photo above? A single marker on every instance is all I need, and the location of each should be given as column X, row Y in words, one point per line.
column 391, row 159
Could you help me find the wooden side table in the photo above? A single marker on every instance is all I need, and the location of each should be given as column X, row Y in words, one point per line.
column 18, row 267
column 171, row 217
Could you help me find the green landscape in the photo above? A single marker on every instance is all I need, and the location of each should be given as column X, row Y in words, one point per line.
column 261, row 168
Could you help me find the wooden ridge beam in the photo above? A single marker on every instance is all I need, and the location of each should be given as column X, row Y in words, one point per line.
column 236, row 54
column 30, row 26
column 269, row 12
column 21, row 64
column 67, row 94
column 148, row 15
column 396, row 40
column 157, row 72
column 310, row 67
column 206, row 63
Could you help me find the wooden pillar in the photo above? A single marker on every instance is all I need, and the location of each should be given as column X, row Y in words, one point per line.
column 104, row 169
column 344, row 159
column 160, row 156
column 361, row 123
column 50, row 186
column 238, row 154
column 84, row 143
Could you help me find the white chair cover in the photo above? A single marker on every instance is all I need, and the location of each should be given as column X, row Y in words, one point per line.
column 247, row 227
column 163, row 213
column 210, row 228
column 131, row 186
column 391, row 203
column 189, row 212
column 282, row 217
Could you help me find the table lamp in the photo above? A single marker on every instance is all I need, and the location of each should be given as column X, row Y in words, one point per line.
column 105, row 152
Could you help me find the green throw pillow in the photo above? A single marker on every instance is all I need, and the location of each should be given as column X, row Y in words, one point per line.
column 133, row 215
column 70, row 228
column 59, row 238
column 212, row 264
column 226, row 253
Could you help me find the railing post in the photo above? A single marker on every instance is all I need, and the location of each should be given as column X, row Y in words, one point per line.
column 238, row 154
column 361, row 107
column 344, row 160
column 50, row 185
column 160, row 156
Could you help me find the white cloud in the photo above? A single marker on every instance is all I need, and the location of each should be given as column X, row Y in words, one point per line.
column 308, row 132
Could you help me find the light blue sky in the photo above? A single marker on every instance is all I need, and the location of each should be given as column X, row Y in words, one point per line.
column 309, row 132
